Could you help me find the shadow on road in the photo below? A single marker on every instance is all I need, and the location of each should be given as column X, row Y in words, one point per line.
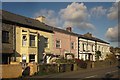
column 109, row 75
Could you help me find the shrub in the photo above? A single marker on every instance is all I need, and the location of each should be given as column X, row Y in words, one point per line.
column 65, row 61
column 81, row 63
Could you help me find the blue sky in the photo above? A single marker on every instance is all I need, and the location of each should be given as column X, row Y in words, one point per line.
column 99, row 18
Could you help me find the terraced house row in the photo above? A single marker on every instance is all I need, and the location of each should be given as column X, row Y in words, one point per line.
column 31, row 40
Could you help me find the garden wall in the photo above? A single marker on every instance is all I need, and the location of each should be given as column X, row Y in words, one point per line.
column 11, row 70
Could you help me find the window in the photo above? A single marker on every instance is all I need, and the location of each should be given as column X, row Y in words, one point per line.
column 24, row 40
column 102, row 49
column 57, row 43
column 5, row 37
column 32, row 40
column 31, row 58
column 98, row 48
column 72, row 45
column 24, row 31
column 46, row 42
column 24, row 57
column 92, row 48
column 83, row 47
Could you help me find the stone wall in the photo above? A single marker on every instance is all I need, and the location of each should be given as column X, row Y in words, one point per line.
column 8, row 47
column 11, row 71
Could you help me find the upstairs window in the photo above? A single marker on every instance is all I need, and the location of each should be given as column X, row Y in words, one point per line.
column 32, row 40
column 5, row 37
column 92, row 48
column 72, row 45
column 24, row 40
column 83, row 47
column 46, row 42
column 57, row 43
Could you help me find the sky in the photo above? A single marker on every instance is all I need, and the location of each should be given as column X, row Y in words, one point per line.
column 98, row 18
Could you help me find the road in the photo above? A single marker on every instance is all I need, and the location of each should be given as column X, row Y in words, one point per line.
column 103, row 72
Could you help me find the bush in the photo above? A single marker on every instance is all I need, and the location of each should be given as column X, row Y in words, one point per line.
column 81, row 63
column 65, row 61
column 48, row 68
column 111, row 57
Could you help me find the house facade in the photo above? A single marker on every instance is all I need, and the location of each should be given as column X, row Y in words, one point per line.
column 8, row 43
column 88, row 45
column 104, row 48
column 65, row 41
column 29, row 39
column 86, row 49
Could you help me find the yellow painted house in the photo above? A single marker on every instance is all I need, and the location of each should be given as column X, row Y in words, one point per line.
column 32, row 44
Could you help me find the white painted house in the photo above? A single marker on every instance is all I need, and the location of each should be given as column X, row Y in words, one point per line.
column 88, row 45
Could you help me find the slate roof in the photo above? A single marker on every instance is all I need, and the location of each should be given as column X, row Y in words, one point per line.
column 32, row 23
column 78, row 35
column 22, row 20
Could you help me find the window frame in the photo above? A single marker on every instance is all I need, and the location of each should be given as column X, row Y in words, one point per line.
column 6, row 37
column 57, row 44
column 32, row 60
column 23, row 40
column 72, row 45
column 47, row 42
column 30, row 40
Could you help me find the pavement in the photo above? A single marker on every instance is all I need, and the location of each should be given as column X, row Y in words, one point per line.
column 101, row 72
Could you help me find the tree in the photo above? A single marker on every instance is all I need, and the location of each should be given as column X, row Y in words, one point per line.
column 98, row 54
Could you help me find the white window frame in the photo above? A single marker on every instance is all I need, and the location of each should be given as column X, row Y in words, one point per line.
column 24, row 41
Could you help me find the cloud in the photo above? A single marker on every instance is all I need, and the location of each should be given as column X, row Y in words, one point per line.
column 74, row 12
column 113, row 12
column 112, row 34
column 50, row 16
column 98, row 11
column 76, row 15
column 80, row 25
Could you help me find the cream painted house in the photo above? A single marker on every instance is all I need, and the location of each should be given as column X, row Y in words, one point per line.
column 104, row 48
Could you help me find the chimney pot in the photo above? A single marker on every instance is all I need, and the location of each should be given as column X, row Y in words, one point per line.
column 69, row 29
column 41, row 19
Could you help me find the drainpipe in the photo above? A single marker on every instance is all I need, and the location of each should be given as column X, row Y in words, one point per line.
column 78, row 48
column 14, row 42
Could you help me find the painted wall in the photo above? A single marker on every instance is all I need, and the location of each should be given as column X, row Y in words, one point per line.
column 84, row 54
column 65, row 40
column 39, row 48
column 25, row 50
column 103, row 47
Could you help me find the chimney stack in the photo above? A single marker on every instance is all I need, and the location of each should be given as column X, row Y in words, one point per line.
column 88, row 34
column 69, row 29
column 41, row 19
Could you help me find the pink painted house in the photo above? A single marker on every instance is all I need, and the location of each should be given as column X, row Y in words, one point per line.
column 65, row 41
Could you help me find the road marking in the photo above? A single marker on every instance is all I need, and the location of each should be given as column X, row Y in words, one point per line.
column 115, row 71
column 108, row 72
column 91, row 76
column 112, row 72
